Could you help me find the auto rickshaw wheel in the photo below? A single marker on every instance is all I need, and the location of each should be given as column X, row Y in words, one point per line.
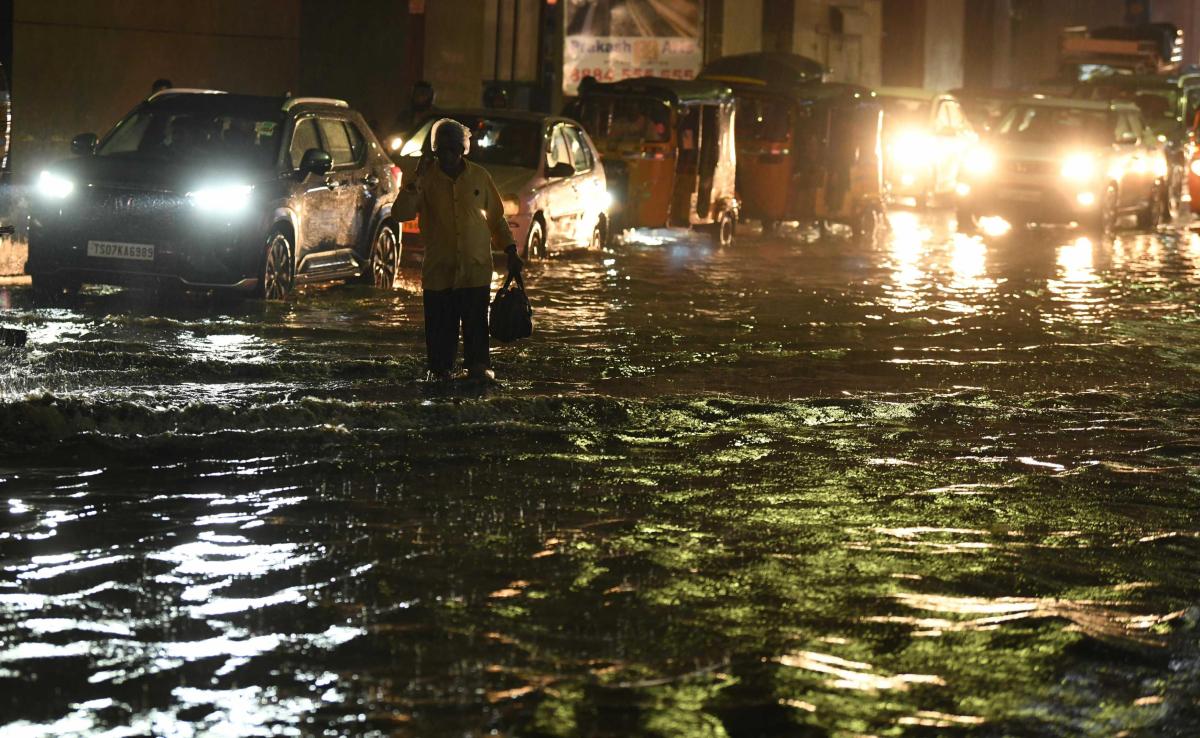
column 724, row 229
column 866, row 222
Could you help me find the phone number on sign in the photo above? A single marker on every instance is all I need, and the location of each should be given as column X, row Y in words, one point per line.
column 612, row 75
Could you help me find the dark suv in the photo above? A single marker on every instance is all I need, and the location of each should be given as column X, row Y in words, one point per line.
column 214, row 190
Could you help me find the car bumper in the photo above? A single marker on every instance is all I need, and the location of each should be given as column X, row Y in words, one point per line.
column 1026, row 203
column 193, row 251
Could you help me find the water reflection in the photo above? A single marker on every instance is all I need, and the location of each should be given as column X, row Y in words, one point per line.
column 925, row 486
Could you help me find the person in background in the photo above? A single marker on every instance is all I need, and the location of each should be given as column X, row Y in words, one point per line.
column 462, row 217
column 420, row 106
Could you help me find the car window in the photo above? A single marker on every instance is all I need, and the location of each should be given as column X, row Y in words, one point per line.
column 358, row 143
column 304, row 138
column 337, row 141
column 581, row 158
column 557, row 151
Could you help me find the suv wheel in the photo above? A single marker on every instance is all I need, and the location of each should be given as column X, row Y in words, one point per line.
column 1104, row 222
column 278, row 275
column 49, row 288
column 385, row 258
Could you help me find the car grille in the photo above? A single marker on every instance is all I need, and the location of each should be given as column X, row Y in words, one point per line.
column 1032, row 167
column 136, row 215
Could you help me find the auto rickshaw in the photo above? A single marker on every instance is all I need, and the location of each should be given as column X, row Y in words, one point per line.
column 668, row 151
column 807, row 150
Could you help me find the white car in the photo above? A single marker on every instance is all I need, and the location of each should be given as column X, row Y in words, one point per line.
column 546, row 170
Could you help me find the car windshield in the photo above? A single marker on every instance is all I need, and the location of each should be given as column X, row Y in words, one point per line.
column 904, row 112
column 1045, row 124
column 1159, row 105
column 503, row 142
column 763, row 118
column 625, row 119
column 177, row 134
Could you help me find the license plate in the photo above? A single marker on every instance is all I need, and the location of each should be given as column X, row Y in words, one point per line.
column 1021, row 195
column 117, row 250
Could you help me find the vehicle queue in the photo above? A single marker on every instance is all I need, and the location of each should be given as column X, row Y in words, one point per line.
column 205, row 189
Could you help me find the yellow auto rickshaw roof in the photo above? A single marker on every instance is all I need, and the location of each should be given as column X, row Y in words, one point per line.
column 674, row 91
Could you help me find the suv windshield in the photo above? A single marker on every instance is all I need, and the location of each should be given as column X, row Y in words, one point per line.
column 185, row 134
column 1044, row 124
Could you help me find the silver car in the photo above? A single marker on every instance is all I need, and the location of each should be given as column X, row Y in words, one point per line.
column 546, row 169
column 1053, row 160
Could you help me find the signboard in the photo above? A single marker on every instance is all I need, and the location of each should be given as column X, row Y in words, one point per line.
column 613, row 40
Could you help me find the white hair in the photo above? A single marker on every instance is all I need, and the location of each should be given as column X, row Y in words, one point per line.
column 466, row 134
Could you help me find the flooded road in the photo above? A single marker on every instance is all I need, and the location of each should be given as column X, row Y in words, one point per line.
column 932, row 486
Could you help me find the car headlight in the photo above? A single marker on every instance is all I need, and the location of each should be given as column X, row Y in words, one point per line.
column 1195, row 167
column 395, row 143
column 227, row 199
column 1079, row 167
column 980, row 161
column 54, row 187
column 913, row 148
column 512, row 205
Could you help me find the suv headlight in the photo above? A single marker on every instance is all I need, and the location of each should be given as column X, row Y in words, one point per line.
column 1079, row 167
column 228, row 199
column 54, row 187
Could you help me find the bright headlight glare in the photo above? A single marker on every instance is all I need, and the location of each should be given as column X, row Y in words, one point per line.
column 604, row 201
column 221, row 198
column 913, row 147
column 979, row 161
column 1160, row 167
column 54, row 187
column 395, row 143
column 512, row 205
column 1079, row 166
column 1195, row 167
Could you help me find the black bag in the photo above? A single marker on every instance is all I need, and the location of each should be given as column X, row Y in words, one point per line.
column 511, row 316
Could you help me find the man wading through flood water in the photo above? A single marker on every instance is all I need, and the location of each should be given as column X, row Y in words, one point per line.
column 461, row 217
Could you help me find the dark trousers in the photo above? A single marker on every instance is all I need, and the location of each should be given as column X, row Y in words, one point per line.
column 445, row 310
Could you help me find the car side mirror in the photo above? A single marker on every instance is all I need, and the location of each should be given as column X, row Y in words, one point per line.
column 84, row 144
column 559, row 170
column 316, row 161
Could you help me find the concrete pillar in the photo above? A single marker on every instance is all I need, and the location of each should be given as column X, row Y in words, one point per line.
column 742, row 31
column 454, row 53
column 852, row 53
column 944, row 43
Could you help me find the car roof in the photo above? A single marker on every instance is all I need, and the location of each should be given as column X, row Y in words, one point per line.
column 501, row 113
column 203, row 100
column 1077, row 104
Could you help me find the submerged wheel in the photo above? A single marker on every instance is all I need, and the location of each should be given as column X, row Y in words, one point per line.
column 385, row 258
column 278, row 272
column 599, row 236
column 866, row 222
column 1156, row 212
column 1104, row 222
column 51, row 288
column 535, row 245
column 723, row 230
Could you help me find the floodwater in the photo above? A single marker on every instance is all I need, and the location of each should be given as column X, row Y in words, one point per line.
column 930, row 486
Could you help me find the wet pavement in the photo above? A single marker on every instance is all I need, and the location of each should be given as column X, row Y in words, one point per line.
column 930, row 486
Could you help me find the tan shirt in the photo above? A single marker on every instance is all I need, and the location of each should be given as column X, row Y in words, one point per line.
column 461, row 220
